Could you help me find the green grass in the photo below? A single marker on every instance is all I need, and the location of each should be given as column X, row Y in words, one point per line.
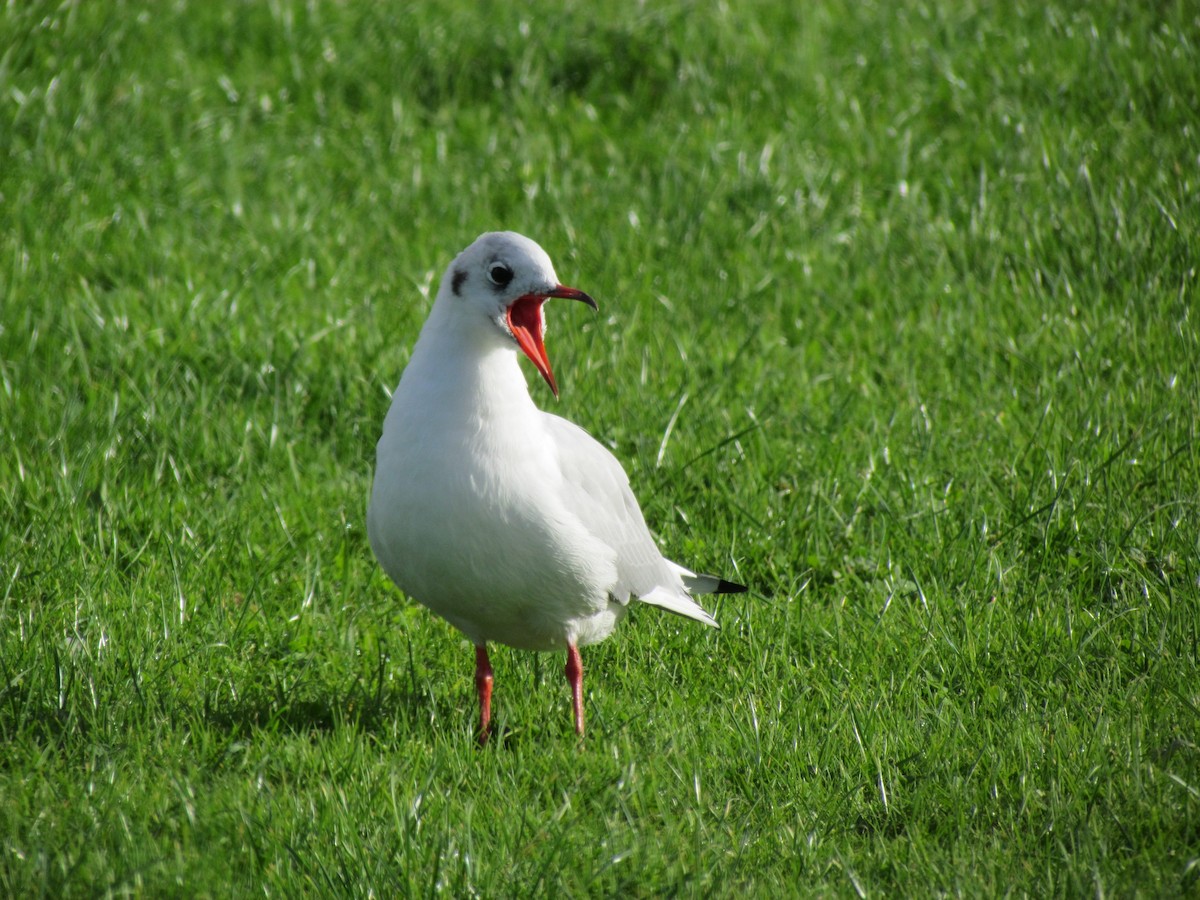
column 922, row 277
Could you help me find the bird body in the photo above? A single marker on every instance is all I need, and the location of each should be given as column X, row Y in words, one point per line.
column 512, row 524
column 498, row 561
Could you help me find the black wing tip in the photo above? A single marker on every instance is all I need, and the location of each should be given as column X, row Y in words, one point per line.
column 728, row 587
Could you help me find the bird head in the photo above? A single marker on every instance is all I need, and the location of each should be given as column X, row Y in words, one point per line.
column 504, row 277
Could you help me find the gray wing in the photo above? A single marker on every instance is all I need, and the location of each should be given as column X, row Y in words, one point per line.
column 596, row 489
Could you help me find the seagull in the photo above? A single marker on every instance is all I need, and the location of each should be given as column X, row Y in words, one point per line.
column 512, row 524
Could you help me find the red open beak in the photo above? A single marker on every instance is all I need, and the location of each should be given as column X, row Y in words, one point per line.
column 526, row 322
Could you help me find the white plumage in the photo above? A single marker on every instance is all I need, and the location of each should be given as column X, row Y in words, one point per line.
column 511, row 523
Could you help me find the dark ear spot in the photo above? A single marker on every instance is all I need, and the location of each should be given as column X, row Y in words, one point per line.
column 456, row 281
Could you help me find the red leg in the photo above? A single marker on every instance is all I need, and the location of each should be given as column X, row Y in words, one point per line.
column 574, row 672
column 483, row 684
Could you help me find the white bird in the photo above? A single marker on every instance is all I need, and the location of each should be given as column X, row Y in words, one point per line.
column 512, row 524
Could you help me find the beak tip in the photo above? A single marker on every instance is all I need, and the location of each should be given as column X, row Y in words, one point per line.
column 570, row 293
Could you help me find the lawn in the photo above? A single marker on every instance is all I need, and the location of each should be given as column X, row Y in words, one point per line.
column 898, row 326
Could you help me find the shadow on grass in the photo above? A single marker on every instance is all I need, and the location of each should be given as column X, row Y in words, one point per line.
column 73, row 710
column 319, row 708
column 66, row 720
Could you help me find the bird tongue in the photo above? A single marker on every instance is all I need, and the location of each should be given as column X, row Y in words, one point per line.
column 525, row 322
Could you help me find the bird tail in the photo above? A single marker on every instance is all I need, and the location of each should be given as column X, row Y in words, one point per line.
column 683, row 605
column 678, row 603
column 707, row 584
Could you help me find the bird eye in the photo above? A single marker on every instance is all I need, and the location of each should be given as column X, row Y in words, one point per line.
column 500, row 274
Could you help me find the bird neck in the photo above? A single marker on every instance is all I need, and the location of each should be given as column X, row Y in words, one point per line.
column 469, row 373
